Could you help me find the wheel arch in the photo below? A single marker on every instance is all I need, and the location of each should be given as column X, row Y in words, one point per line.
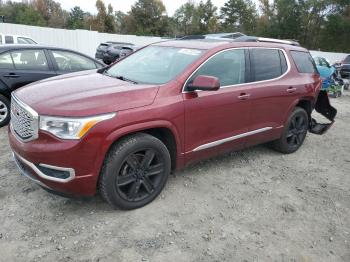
column 306, row 103
column 162, row 130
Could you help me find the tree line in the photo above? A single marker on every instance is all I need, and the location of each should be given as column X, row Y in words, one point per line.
column 316, row 24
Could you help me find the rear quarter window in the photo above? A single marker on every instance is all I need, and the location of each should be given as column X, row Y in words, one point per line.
column 304, row 62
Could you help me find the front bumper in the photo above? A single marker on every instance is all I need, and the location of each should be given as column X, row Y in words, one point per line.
column 74, row 162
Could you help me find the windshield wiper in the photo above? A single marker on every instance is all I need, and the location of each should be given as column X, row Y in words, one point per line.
column 126, row 79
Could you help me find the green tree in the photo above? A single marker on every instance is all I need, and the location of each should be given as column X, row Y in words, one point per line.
column 187, row 20
column 76, row 18
column 239, row 15
column 149, row 17
column 208, row 19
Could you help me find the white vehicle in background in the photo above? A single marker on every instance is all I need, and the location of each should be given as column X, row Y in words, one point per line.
column 15, row 39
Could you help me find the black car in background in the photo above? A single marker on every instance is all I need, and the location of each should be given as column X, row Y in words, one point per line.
column 101, row 49
column 24, row 64
column 115, row 52
column 345, row 68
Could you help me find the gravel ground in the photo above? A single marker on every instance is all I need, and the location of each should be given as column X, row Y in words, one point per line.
column 252, row 205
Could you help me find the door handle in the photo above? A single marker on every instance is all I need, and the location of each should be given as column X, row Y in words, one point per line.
column 291, row 89
column 11, row 75
column 243, row 96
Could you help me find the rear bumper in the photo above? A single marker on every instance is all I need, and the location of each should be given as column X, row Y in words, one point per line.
column 324, row 108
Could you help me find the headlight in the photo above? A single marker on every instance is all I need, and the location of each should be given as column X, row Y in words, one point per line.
column 71, row 128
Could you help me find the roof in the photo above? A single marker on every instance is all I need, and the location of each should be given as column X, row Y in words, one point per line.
column 9, row 47
column 206, row 44
column 203, row 44
column 29, row 46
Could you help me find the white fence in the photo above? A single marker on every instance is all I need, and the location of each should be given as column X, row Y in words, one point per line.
column 80, row 40
column 86, row 41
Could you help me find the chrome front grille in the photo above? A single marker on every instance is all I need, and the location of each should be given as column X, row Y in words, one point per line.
column 24, row 120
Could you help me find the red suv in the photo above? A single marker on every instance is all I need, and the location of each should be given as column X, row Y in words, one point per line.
column 121, row 130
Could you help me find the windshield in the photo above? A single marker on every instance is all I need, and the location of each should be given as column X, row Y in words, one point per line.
column 347, row 59
column 154, row 64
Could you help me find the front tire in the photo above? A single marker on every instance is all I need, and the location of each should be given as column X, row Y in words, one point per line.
column 294, row 132
column 4, row 111
column 135, row 171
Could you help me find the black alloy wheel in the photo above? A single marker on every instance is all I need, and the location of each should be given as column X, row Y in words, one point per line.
column 135, row 171
column 139, row 175
column 294, row 132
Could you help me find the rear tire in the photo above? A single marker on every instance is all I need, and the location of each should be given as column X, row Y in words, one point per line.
column 135, row 171
column 294, row 132
column 4, row 111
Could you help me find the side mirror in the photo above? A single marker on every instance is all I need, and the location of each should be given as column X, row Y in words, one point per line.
column 204, row 83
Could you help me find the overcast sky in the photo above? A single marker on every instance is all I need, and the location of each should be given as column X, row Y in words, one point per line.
column 124, row 5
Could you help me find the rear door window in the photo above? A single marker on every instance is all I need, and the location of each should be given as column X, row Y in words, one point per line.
column 30, row 60
column 71, row 62
column 6, row 61
column 267, row 63
column 304, row 62
column 9, row 39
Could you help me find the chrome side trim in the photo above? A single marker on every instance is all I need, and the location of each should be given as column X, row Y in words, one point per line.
column 228, row 139
column 243, row 84
column 42, row 175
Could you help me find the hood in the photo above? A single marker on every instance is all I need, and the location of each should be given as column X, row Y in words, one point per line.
column 84, row 94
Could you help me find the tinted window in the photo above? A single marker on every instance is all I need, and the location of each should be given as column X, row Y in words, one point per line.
column 304, row 62
column 30, row 60
column 6, row 61
column 266, row 63
column 70, row 62
column 228, row 66
column 347, row 59
column 8, row 39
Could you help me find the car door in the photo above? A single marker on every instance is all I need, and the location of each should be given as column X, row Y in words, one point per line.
column 67, row 62
column 29, row 65
column 216, row 121
column 271, row 93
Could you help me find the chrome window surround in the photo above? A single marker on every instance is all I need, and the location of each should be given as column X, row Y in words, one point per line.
column 229, row 139
column 235, row 48
column 42, row 175
column 34, row 124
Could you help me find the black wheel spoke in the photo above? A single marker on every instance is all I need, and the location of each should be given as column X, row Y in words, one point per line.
column 299, row 122
column 155, row 170
column 125, row 180
column 133, row 162
column 147, row 183
column 290, row 134
column 148, row 158
column 134, row 189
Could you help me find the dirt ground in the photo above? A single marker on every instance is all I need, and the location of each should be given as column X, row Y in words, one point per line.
column 252, row 205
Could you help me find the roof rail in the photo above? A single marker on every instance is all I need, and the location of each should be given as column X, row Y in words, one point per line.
column 263, row 39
